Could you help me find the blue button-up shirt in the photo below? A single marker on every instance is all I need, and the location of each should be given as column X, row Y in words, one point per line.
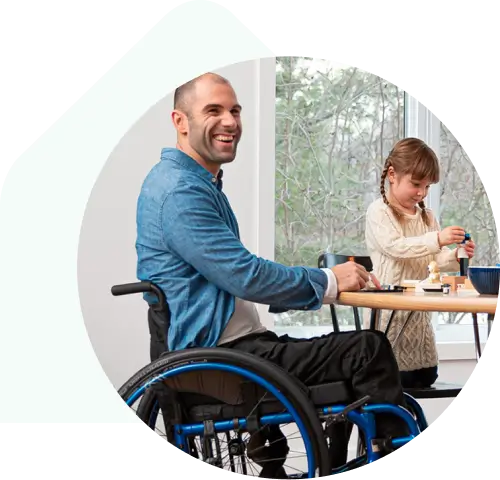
column 188, row 244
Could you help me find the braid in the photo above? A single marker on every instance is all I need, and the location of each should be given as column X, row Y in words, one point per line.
column 383, row 176
column 382, row 181
column 425, row 216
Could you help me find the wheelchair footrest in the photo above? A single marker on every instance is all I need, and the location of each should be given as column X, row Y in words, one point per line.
column 381, row 445
column 438, row 390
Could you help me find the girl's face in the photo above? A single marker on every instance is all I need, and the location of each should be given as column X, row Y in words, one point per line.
column 406, row 191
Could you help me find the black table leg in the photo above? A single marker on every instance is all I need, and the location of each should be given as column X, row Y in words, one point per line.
column 476, row 336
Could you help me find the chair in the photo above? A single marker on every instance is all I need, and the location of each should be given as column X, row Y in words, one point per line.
column 329, row 260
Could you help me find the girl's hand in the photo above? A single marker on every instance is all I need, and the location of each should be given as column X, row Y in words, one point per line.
column 469, row 248
column 451, row 235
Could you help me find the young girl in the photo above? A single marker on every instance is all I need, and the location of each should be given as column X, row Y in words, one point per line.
column 403, row 237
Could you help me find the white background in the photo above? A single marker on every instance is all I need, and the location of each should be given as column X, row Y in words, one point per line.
column 44, row 345
column 100, row 148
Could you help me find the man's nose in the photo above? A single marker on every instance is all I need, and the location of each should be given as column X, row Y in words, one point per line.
column 228, row 119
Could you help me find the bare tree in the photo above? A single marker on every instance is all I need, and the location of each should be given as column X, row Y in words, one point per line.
column 334, row 129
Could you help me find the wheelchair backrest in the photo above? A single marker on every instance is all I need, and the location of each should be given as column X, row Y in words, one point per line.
column 158, row 315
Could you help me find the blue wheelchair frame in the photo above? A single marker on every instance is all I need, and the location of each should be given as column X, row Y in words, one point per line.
column 359, row 413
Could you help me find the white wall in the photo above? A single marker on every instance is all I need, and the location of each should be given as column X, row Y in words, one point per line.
column 117, row 326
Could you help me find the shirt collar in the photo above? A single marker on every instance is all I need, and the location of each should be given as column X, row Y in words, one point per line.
column 181, row 158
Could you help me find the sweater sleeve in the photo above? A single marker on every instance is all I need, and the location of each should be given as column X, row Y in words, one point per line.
column 384, row 233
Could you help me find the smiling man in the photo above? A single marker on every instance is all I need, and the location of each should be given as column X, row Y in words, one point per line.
column 208, row 132
column 188, row 244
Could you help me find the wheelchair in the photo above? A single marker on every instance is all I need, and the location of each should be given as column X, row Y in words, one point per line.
column 242, row 413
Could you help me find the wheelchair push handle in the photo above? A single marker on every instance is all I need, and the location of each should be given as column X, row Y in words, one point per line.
column 130, row 288
column 139, row 287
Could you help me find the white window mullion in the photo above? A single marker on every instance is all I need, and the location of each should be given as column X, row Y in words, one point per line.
column 421, row 123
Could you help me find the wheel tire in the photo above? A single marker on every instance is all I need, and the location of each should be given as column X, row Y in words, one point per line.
column 275, row 375
column 146, row 406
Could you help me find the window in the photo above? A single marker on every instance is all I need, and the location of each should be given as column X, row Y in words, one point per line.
column 463, row 201
column 335, row 125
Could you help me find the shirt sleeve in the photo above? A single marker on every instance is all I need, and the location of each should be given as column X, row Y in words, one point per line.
column 195, row 231
column 332, row 289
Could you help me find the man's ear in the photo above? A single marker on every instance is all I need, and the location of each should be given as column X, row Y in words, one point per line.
column 180, row 121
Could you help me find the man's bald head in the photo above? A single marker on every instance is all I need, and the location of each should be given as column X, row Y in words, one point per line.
column 186, row 93
column 207, row 117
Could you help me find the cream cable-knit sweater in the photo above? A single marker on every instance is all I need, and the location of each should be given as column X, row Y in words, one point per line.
column 402, row 252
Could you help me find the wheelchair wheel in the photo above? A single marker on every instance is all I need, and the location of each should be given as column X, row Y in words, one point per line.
column 263, row 373
column 148, row 409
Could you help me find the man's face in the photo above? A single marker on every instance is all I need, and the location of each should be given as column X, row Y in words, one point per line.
column 214, row 122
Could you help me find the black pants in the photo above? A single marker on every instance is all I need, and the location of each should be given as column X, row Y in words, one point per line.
column 421, row 378
column 363, row 359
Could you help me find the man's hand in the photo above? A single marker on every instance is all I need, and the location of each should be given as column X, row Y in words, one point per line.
column 352, row 277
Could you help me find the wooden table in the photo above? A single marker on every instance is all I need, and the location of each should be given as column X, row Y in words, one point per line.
column 465, row 301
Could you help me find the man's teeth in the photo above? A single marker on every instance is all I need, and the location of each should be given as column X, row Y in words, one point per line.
column 224, row 138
